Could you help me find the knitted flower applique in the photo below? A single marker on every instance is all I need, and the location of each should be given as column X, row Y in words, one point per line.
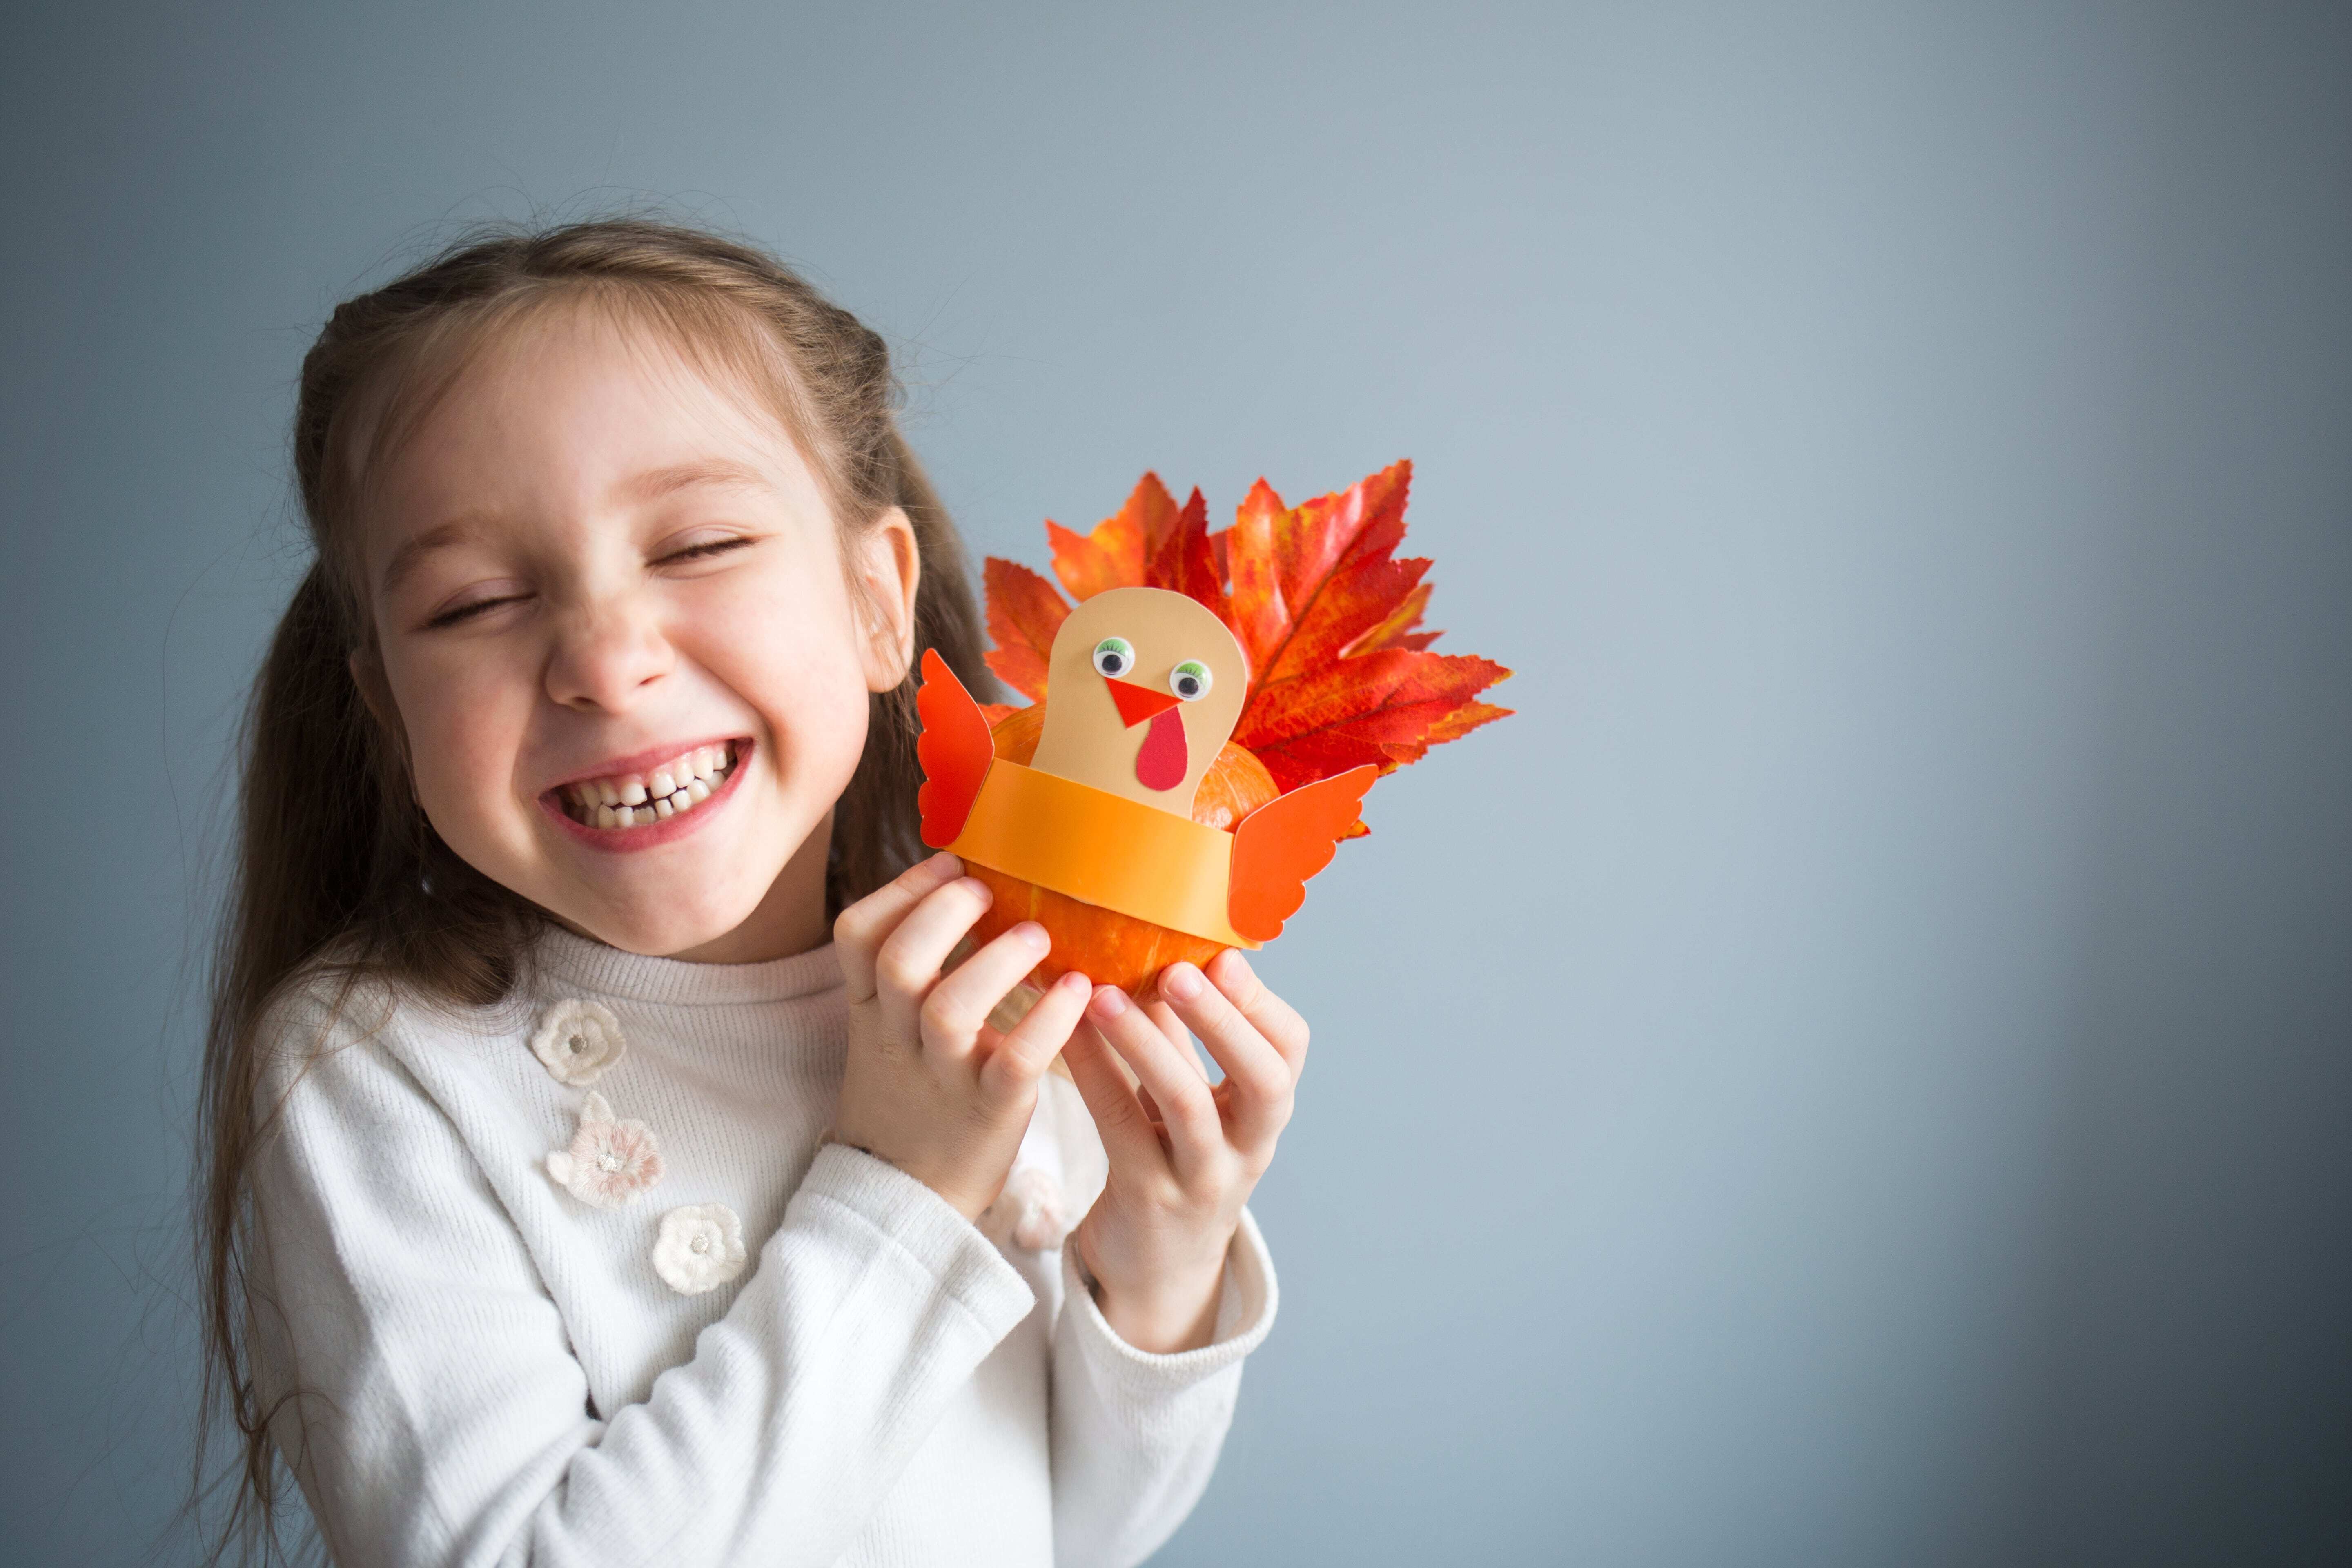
column 579, row 1040
column 610, row 1162
column 700, row 1248
column 1028, row 1214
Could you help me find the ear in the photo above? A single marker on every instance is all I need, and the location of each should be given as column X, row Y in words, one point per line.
column 889, row 567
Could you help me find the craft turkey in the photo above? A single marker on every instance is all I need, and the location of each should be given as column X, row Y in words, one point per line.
column 1118, row 811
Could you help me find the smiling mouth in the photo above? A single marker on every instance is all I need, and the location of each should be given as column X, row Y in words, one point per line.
column 639, row 800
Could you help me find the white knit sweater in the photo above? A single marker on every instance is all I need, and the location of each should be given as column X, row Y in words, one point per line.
column 488, row 1369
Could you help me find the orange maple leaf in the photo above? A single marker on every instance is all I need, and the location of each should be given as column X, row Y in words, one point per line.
column 1115, row 555
column 1024, row 614
column 1340, row 673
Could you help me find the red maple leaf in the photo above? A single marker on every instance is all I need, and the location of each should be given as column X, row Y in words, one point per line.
column 1329, row 619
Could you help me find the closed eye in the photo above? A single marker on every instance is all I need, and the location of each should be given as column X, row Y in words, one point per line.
column 467, row 611
column 702, row 552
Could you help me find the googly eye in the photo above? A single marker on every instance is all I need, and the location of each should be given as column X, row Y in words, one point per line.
column 1114, row 656
column 1190, row 680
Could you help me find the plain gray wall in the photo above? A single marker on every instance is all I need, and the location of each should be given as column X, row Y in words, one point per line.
column 1855, row 1073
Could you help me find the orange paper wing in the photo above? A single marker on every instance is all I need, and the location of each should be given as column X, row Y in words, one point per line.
column 954, row 750
column 1281, row 844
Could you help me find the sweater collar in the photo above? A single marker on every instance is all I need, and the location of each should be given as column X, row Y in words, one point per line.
column 577, row 962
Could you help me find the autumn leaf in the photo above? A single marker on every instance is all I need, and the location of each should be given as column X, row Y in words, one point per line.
column 1024, row 614
column 1186, row 562
column 1309, row 581
column 1378, row 708
column 1398, row 629
column 1114, row 555
column 1330, row 619
column 1460, row 722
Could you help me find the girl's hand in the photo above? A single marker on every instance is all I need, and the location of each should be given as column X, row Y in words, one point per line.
column 1184, row 1156
column 929, row 1085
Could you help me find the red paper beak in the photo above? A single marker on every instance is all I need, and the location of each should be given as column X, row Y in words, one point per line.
column 1138, row 703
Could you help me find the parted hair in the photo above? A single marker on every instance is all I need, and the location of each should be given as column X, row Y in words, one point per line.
column 335, row 868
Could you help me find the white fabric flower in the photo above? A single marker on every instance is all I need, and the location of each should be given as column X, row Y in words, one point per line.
column 1029, row 1212
column 610, row 1162
column 700, row 1248
column 579, row 1040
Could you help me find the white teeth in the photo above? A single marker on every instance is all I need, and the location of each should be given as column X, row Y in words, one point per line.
column 636, row 799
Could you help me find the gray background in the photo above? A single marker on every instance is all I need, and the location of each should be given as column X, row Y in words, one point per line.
column 1854, row 1073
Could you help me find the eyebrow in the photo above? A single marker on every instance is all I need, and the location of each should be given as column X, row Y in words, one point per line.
column 411, row 555
column 656, row 483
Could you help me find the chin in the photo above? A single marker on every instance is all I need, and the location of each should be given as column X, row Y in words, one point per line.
column 664, row 929
column 670, row 903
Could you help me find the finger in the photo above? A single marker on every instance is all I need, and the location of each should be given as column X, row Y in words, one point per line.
column 1187, row 1107
column 1020, row 1059
column 961, row 1003
column 1272, row 1016
column 907, row 966
column 1127, row 1135
column 859, row 930
column 1257, row 1077
column 1164, row 1018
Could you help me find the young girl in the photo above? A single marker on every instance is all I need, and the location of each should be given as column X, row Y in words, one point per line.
column 571, row 1198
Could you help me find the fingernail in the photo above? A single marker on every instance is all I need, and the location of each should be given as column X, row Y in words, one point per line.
column 1110, row 1002
column 987, row 894
column 1180, row 981
column 1034, row 935
column 1074, row 981
column 946, row 864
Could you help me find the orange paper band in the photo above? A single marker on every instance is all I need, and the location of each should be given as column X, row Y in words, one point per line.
column 1105, row 849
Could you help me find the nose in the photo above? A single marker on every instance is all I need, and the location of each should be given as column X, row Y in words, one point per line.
column 605, row 656
column 1136, row 704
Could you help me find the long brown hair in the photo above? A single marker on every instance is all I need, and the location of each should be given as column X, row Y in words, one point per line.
column 336, row 870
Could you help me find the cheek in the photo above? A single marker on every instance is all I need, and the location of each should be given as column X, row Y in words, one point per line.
column 797, row 665
column 463, row 721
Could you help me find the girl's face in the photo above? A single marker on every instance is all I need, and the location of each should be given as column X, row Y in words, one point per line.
column 609, row 590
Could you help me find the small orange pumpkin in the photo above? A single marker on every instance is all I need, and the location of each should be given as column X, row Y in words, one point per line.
column 1109, row 948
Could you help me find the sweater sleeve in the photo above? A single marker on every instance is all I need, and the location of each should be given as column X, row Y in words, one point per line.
column 1135, row 1435
column 432, row 1409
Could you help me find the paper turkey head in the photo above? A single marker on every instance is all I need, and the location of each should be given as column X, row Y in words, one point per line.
column 1143, row 689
